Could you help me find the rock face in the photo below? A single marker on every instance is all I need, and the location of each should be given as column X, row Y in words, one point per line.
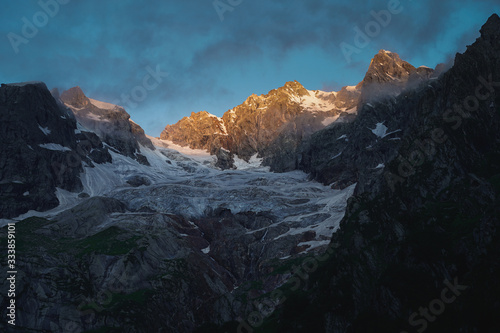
column 41, row 149
column 225, row 159
column 423, row 221
column 199, row 131
column 273, row 125
column 111, row 122
column 188, row 248
column 387, row 75
column 262, row 124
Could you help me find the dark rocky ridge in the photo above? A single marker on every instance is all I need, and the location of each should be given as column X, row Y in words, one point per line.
column 112, row 125
column 420, row 221
column 31, row 119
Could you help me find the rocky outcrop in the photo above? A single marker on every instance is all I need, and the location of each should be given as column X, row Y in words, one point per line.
column 225, row 159
column 41, row 149
column 261, row 123
column 110, row 122
column 426, row 222
column 199, row 131
column 387, row 75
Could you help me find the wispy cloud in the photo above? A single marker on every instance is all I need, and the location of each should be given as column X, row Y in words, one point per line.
column 104, row 46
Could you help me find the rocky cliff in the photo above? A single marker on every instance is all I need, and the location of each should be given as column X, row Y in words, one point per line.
column 110, row 122
column 41, row 149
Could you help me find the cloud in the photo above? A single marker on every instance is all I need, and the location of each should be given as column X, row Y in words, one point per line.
column 105, row 47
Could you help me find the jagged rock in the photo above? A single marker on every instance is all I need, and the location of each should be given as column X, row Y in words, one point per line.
column 138, row 180
column 275, row 124
column 388, row 75
column 413, row 228
column 225, row 159
column 199, row 131
column 110, row 122
column 39, row 149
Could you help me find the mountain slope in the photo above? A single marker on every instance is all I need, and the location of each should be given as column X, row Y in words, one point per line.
column 274, row 124
column 251, row 127
column 41, row 149
column 424, row 228
column 111, row 122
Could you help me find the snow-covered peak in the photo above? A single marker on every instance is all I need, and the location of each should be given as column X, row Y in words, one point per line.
column 317, row 100
column 102, row 105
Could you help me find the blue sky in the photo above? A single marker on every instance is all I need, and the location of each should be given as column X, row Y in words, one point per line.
column 216, row 56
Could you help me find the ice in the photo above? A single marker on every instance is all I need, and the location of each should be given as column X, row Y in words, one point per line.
column 317, row 100
column 334, row 157
column 332, row 207
column 206, row 250
column 380, row 130
column 254, row 163
column 185, row 182
column 329, row 120
column 45, row 130
column 54, row 146
column 103, row 105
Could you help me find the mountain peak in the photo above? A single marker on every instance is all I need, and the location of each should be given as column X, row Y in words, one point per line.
column 293, row 84
column 75, row 97
column 294, row 88
column 387, row 74
column 387, row 66
column 491, row 28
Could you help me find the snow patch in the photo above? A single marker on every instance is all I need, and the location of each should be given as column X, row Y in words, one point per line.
column 45, row 130
column 206, row 250
column 103, row 105
column 254, row 163
column 54, row 146
column 334, row 157
column 317, row 100
column 329, row 120
column 380, row 130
